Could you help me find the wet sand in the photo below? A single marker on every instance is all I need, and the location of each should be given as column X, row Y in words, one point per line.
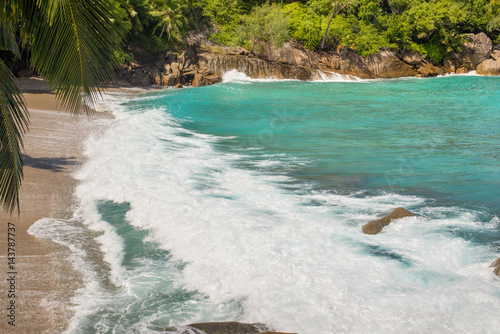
column 45, row 280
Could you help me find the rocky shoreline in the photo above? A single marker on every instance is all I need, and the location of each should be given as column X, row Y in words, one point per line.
column 199, row 65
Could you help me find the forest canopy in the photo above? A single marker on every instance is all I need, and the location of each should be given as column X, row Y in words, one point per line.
column 435, row 28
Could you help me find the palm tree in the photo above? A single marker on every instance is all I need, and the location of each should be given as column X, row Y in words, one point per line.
column 170, row 14
column 70, row 43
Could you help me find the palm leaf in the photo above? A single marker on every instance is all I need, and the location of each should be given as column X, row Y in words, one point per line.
column 72, row 48
column 13, row 124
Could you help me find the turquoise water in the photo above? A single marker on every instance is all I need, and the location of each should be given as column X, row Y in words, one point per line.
column 245, row 200
column 434, row 137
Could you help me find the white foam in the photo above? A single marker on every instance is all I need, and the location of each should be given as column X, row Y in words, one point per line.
column 327, row 76
column 91, row 295
column 240, row 77
column 295, row 266
column 468, row 74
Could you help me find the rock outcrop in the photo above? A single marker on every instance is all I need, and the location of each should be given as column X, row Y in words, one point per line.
column 375, row 226
column 252, row 66
column 496, row 265
column 385, row 64
column 198, row 66
column 229, row 327
column 476, row 51
column 489, row 67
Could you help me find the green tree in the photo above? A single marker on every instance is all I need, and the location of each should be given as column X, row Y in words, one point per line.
column 171, row 16
column 337, row 6
column 264, row 24
column 305, row 24
column 71, row 44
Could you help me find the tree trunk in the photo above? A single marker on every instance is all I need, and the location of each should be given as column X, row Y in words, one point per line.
column 335, row 11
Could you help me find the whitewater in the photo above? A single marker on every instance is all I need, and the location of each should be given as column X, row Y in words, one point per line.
column 244, row 201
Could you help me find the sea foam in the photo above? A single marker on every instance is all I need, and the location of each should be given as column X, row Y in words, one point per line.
column 245, row 248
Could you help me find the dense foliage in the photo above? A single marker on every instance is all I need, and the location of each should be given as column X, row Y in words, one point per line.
column 432, row 27
column 436, row 28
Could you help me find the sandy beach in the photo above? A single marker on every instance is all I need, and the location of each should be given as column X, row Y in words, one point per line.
column 45, row 279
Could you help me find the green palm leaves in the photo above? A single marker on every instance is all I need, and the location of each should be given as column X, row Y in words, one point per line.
column 170, row 15
column 13, row 124
column 71, row 44
column 72, row 48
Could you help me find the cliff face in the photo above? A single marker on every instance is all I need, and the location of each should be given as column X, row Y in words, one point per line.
column 197, row 66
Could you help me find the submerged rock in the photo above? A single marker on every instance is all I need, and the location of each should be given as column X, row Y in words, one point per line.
column 375, row 226
column 496, row 265
column 229, row 327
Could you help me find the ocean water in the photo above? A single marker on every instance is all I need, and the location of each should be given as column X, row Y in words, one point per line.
column 244, row 201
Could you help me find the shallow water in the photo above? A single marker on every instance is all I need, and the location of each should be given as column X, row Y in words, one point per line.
column 245, row 200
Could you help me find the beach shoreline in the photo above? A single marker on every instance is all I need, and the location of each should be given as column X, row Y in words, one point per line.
column 45, row 278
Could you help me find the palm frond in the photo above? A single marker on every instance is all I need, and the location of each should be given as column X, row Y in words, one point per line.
column 14, row 121
column 73, row 48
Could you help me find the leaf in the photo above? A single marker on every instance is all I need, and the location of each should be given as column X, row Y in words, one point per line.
column 72, row 48
column 14, row 121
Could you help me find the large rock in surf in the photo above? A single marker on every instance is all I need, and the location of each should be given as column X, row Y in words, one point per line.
column 496, row 265
column 229, row 327
column 489, row 67
column 232, row 327
column 375, row 226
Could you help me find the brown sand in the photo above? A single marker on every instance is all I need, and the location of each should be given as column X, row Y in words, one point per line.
column 45, row 279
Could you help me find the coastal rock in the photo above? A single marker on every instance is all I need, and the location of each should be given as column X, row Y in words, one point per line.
column 346, row 61
column 496, row 265
column 140, row 78
column 385, row 64
column 489, row 67
column 156, row 77
column 214, row 79
column 230, row 327
column 253, row 67
column 375, row 226
column 476, row 51
column 495, row 54
column 410, row 57
column 187, row 58
column 429, row 70
column 175, row 69
column 204, row 71
column 199, row 80
column 168, row 80
column 198, row 66
column 167, row 69
column 288, row 54
column 448, row 66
